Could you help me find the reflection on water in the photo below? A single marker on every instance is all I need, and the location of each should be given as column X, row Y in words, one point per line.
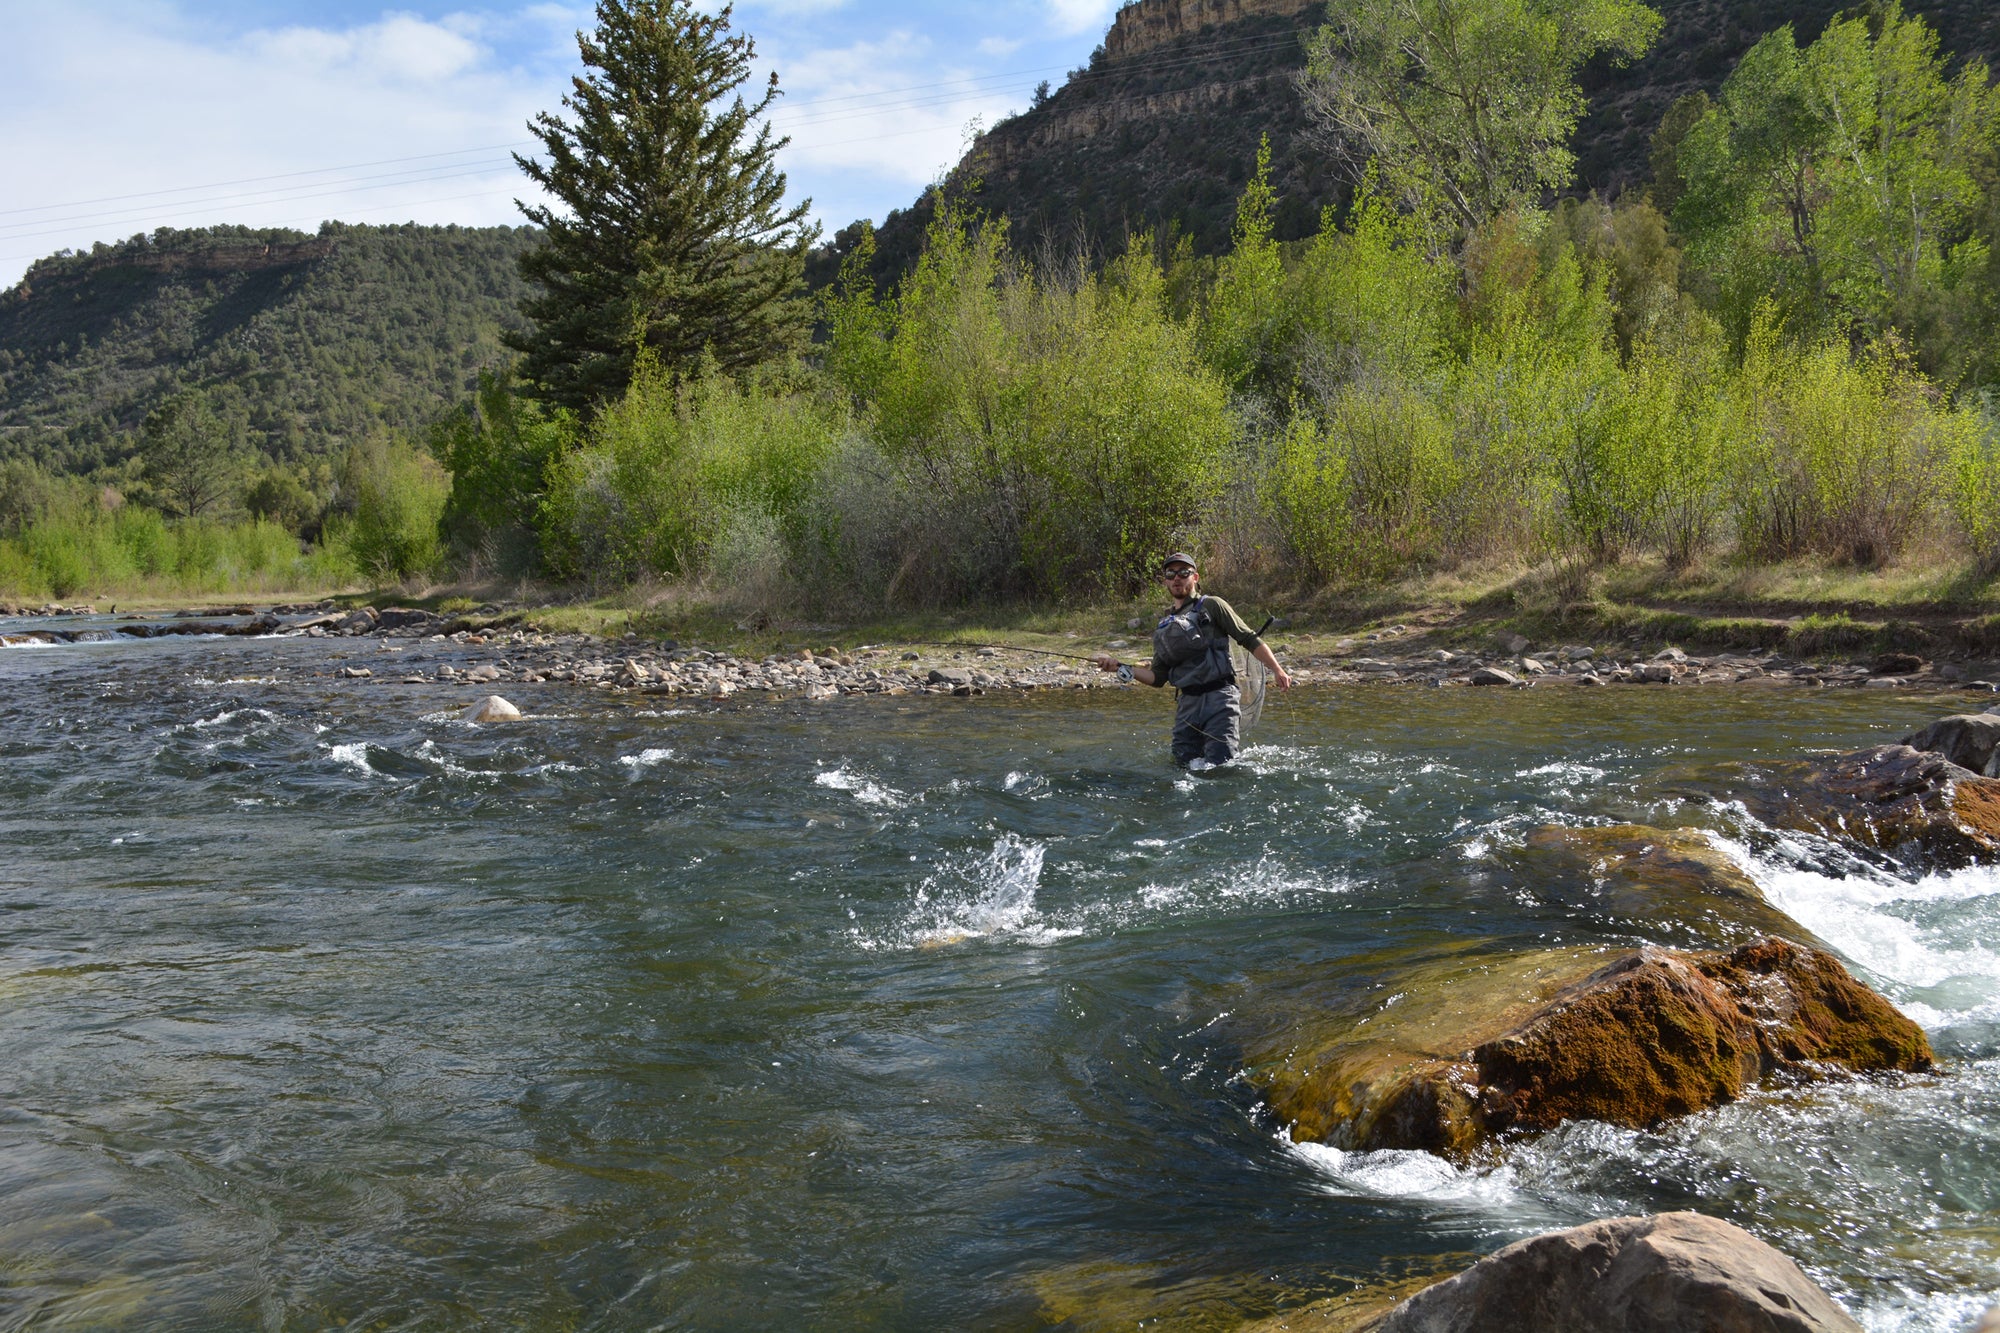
column 319, row 1006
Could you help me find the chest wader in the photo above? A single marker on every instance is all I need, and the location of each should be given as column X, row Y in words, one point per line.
column 1196, row 653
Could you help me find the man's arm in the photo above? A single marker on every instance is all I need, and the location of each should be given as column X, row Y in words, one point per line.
column 1145, row 675
column 1223, row 616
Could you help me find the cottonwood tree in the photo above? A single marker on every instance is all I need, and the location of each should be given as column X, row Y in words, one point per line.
column 669, row 232
column 1843, row 180
column 1466, row 106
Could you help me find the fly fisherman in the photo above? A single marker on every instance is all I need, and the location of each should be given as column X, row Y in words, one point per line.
column 1191, row 653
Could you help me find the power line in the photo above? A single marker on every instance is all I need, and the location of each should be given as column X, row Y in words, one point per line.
column 256, row 180
column 861, row 106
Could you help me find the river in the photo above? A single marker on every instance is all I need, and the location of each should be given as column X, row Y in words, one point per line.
column 319, row 1007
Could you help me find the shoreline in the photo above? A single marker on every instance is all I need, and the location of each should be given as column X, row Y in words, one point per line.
column 516, row 650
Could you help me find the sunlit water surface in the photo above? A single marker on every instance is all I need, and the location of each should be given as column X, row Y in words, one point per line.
column 319, row 1007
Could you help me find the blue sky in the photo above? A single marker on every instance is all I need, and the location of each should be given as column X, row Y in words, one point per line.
column 119, row 116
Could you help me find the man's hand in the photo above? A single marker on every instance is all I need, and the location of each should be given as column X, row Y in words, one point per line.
column 1106, row 662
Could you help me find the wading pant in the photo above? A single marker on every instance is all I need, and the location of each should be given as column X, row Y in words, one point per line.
column 1205, row 726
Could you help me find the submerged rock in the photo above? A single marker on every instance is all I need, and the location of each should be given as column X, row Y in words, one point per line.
column 1970, row 740
column 491, row 709
column 1893, row 797
column 1468, row 1051
column 1638, row 1274
column 1663, row 878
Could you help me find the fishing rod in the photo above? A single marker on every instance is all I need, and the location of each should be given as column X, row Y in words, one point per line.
column 997, row 647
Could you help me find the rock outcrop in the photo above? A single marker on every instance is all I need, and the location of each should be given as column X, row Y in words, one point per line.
column 1521, row 1044
column 1151, row 24
column 1664, row 1274
column 1970, row 740
column 1892, row 797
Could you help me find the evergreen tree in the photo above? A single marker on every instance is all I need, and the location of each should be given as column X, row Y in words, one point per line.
column 670, row 232
column 190, row 463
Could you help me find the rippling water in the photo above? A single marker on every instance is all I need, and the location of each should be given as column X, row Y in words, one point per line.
column 319, row 1007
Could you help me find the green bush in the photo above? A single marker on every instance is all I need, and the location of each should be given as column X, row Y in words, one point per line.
column 398, row 494
column 1849, row 454
column 1059, row 430
column 665, row 470
column 1975, row 482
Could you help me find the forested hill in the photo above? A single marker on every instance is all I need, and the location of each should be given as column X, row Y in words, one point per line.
column 302, row 342
column 1160, row 131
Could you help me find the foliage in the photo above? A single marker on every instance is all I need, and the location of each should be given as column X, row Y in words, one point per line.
column 1465, row 105
column 190, row 464
column 1975, row 482
column 397, row 494
column 302, row 342
column 1059, row 426
column 499, row 452
column 1848, row 455
column 1842, row 181
column 669, row 233
column 86, row 551
column 667, row 476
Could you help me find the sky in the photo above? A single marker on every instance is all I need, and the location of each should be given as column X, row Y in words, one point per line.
column 121, row 116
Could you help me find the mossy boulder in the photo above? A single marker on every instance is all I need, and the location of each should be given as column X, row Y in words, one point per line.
column 1472, row 1051
column 1662, row 880
column 1891, row 797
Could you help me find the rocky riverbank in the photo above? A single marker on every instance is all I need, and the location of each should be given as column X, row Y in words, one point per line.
column 416, row 646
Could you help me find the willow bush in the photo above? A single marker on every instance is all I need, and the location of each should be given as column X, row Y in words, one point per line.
column 1053, row 431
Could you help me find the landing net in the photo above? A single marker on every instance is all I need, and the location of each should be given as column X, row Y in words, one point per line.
column 1251, row 680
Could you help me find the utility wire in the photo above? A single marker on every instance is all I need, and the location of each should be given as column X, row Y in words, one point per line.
column 863, row 106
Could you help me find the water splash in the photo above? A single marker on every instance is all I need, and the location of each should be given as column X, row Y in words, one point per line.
column 354, row 756
column 1406, row 1174
column 1933, row 943
column 638, row 763
column 862, row 787
column 977, row 897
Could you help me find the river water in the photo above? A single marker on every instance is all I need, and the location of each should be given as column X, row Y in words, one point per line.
column 321, row 1008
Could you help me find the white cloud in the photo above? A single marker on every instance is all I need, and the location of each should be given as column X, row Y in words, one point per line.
column 1072, row 16
column 999, row 47
column 129, row 107
column 888, row 108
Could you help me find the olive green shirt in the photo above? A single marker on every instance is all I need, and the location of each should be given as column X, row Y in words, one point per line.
column 1223, row 616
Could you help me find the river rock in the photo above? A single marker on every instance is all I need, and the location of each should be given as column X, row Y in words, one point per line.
column 1664, row 1274
column 1492, row 676
column 1447, row 1057
column 1658, row 879
column 1970, row 740
column 1892, row 797
column 491, row 709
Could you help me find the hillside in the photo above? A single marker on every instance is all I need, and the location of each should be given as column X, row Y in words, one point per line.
column 1160, row 131
column 303, row 342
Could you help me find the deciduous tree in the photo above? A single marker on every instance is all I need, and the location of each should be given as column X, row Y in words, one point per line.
column 1467, row 105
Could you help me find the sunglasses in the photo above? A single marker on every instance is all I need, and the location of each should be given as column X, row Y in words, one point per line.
column 1177, row 573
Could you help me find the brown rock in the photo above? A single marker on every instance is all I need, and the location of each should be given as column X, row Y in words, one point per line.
column 1525, row 1043
column 1891, row 797
column 1674, row 878
column 1970, row 740
column 1664, row 1274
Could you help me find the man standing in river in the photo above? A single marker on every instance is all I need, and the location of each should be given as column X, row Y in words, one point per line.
column 1191, row 653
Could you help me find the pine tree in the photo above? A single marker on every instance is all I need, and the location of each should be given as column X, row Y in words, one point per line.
column 670, row 231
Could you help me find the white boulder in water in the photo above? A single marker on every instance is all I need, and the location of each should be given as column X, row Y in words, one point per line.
column 491, row 709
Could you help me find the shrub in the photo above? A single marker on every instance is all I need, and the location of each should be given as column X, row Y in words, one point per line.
column 398, row 492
